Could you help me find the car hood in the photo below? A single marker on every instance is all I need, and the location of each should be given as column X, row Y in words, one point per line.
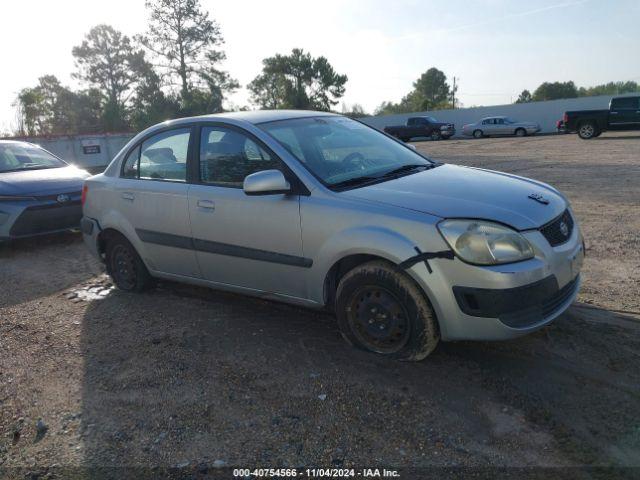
column 42, row 182
column 451, row 191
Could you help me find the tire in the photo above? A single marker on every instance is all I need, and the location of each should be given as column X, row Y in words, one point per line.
column 587, row 130
column 478, row 134
column 520, row 132
column 379, row 289
column 435, row 135
column 125, row 266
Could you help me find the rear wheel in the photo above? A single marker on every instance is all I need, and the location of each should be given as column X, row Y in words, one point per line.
column 521, row 132
column 125, row 266
column 382, row 310
column 588, row 130
column 478, row 134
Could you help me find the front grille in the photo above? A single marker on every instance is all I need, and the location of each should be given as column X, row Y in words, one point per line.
column 554, row 231
column 54, row 197
column 47, row 218
column 561, row 296
column 546, row 308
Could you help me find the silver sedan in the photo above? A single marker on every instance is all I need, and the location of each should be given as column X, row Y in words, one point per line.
column 500, row 126
column 320, row 210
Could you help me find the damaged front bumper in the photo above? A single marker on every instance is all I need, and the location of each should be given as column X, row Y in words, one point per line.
column 503, row 301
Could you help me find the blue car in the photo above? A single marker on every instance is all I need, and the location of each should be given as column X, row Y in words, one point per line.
column 39, row 193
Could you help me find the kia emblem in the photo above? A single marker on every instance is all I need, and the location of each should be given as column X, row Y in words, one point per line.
column 564, row 229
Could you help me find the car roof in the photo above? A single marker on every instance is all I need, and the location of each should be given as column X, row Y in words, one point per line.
column 18, row 142
column 255, row 116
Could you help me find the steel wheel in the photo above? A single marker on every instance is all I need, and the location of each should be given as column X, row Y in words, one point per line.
column 123, row 267
column 378, row 319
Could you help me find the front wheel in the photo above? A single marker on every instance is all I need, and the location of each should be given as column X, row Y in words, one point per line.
column 521, row 132
column 435, row 135
column 125, row 266
column 382, row 310
column 587, row 130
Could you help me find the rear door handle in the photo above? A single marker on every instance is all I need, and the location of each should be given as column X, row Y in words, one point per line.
column 208, row 204
column 128, row 196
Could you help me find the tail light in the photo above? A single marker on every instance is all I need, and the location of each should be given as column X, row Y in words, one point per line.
column 83, row 198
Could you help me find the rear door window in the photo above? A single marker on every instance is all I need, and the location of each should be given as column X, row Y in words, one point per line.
column 625, row 103
column 164, row 156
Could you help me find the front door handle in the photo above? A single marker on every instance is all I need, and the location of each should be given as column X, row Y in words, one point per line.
column 208, row 204
column 128, row 196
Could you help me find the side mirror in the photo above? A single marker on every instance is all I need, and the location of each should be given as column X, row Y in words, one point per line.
column 266, row 182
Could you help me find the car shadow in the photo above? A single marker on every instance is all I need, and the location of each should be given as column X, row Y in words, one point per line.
column 618, row 137
column 35, row 267
column 188, row 377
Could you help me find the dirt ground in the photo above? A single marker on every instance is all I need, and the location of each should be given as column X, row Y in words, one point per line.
column 195, row 379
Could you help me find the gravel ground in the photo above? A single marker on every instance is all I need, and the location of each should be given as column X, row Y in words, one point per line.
column 196, row 379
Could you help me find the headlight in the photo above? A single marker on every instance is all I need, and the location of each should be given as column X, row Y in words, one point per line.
column 485, row 243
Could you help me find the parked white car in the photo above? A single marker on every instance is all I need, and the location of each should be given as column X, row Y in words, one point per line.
column 490, row 126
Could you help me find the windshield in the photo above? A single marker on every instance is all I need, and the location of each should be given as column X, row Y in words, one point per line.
column 16, row 157
column 338, row 150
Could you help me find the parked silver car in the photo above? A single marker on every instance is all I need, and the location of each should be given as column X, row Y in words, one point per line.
column 500, row 126
column 320, row 210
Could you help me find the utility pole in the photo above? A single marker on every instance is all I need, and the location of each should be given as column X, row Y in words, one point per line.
column 453, row 94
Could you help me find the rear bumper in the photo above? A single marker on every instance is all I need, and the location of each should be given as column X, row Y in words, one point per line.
column 90, row 231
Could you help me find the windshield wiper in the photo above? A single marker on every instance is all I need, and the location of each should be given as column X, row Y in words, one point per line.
column 396, row 172
column 406, row 169
column 355, row 182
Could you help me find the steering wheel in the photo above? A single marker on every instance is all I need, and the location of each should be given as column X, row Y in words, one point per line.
column 355, row 159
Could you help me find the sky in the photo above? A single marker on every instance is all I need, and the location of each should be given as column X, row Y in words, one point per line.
column 494, row 48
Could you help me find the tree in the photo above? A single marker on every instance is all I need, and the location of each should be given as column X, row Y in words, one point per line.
column 611, row 88
column 50, row 108
column 432, row 90
column 524, row 97
column 297, row 81
column 555, row 91
column 107, row 61
column 150, row 105
column 356, row 111
column 186, row 42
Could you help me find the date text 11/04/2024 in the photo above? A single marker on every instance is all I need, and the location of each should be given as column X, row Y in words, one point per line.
column 315, row 473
